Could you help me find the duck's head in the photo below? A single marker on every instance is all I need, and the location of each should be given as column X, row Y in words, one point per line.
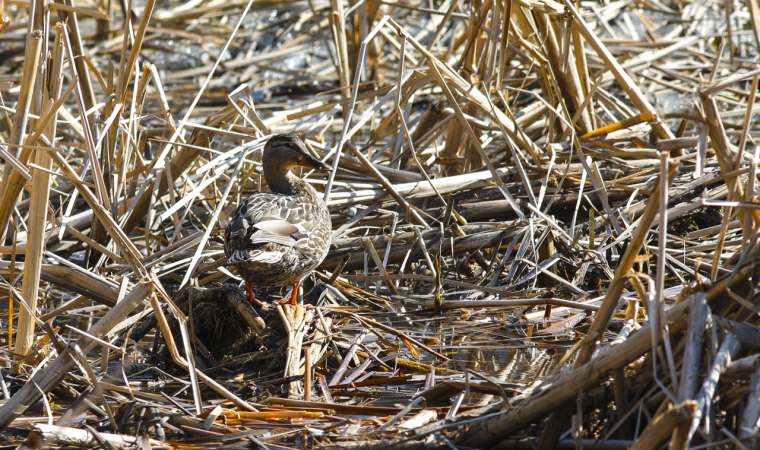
column 284, row 151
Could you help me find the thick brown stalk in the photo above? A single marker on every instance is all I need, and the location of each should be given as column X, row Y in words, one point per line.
column 37, row 219
column 13, row 182
column 658, row 431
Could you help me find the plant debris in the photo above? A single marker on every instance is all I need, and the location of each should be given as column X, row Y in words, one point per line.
column 545, row 224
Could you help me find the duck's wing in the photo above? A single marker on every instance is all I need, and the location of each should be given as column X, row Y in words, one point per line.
column 265, row 225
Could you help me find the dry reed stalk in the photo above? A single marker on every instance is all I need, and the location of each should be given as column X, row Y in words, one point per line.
column 9, row 189
column 660, row 428
column 297, row 321
column 37, row 218
column 624, row 267
column 630, row 87
column 490, row 133
column 67, row 436
column 51, row 375
column 566, row 385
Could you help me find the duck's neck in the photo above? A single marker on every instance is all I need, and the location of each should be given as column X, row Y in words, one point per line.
column 283, row 181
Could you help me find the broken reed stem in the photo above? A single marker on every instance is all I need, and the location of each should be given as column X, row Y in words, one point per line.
column 625, row 265
column 307, row 371
column 9, row 192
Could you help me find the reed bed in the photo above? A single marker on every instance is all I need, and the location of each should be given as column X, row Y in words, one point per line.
column 545, row 224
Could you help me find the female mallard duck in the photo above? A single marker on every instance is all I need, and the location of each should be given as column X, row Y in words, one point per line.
column 276, row 238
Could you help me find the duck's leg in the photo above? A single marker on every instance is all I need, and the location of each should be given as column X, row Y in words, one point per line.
column 293, row 296
column 252, row 298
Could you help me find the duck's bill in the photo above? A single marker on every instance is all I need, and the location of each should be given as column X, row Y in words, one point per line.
column 314, row 163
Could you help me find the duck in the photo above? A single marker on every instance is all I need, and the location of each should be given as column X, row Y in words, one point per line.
column 277, row 238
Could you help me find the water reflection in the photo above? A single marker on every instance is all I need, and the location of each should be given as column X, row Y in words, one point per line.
column 483, row 345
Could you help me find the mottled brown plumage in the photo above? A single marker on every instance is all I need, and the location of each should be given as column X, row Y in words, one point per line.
column 277, row 238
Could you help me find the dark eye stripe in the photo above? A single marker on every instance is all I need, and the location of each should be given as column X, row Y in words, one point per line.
column 283, row 144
